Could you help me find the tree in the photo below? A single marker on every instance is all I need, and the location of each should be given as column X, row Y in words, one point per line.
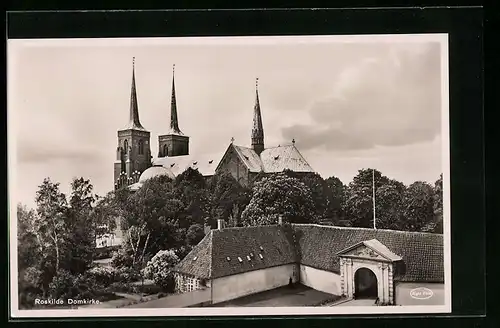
column 438, row 204
column 81, row 232
column 195, row 234
column 319, row 191
column 279, row 195
column 336, row 199
column 436, row 225
column 228, row 198
column 418, row 206
column 159, row 269
column 190, row 187
column 51, row 210
column 389, row 205
column 28, row 242
column 151, row 216
column 359, row 197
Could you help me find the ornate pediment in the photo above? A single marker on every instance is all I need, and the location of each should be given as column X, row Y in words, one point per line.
column 363, row 252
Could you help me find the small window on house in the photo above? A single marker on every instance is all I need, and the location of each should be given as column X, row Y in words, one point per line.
column 194, row 163
column 239, row 259
column 172, row 165
column 260, row 255
column 248, row 257
column 276, row 157
column 228, row 258
column 210, row 161
column 246, row 156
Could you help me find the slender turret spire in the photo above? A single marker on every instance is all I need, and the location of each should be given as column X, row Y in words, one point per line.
column 134, row 122
column 174, row 122
column 257, row 129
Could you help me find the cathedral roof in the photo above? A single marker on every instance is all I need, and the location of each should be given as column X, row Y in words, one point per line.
column 237, row 250
column 204, row 163
column 249, row 158
column 273, row 160
column 282, row 158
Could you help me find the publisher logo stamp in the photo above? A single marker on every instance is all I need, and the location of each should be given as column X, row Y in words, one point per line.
column 421, row 293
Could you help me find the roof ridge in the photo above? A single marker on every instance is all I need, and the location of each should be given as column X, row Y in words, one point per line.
column 366, row 229
column 279, row 146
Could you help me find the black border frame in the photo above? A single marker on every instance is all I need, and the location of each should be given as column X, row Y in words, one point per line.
column 465, row 29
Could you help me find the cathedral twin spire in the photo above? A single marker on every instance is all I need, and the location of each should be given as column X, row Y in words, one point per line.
column 134, row 123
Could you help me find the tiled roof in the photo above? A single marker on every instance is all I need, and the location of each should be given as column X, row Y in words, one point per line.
column 422, row 253
column 236, row 250
column 274, row 160
column 219, row 253
column 250, row 158
column 198, row 263
column 204, row 163
column 282, row 158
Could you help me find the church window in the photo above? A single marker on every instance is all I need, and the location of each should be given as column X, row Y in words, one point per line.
column 165, row 150
column 141, row 147
column 125, row 146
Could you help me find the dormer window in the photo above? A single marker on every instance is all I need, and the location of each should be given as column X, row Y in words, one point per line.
column 248, row 257
column 172, row 165
column 276, row 157
column 194, row 259
column 246, row 157
column 261, row 257
column 194, row 163
column 210, row 161
column 261, row 248
column 228, row 258
column 239, row 259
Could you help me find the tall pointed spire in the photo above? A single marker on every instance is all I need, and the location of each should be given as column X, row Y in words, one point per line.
column 257, row 128
column 134, row 122
column 174, row 121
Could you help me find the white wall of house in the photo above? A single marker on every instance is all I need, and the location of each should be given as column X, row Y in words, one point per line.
column 321, row 280
column 239, row 285
column 411, row 293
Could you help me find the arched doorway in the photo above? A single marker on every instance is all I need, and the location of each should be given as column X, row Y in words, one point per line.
column 365, row 283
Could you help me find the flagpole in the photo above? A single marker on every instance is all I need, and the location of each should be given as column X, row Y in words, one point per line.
column 373, row 196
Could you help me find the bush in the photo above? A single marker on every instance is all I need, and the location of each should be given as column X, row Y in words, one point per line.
column 122, row 259
column 126, row 275
column 103, row 275
column 158, row 269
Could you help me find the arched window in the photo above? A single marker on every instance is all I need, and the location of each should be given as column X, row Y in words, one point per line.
column 165, row 150
column 125, row 147
column 141, row 147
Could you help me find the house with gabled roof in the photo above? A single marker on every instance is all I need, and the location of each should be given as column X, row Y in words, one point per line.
column 386, row 265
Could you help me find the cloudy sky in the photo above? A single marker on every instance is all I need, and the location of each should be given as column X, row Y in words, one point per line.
column 350, row 103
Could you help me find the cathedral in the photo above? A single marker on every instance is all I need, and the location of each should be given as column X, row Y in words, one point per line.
column 134, row 163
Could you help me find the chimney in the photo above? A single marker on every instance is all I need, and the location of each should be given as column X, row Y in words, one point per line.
column 220, row 224
column 280, row 220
